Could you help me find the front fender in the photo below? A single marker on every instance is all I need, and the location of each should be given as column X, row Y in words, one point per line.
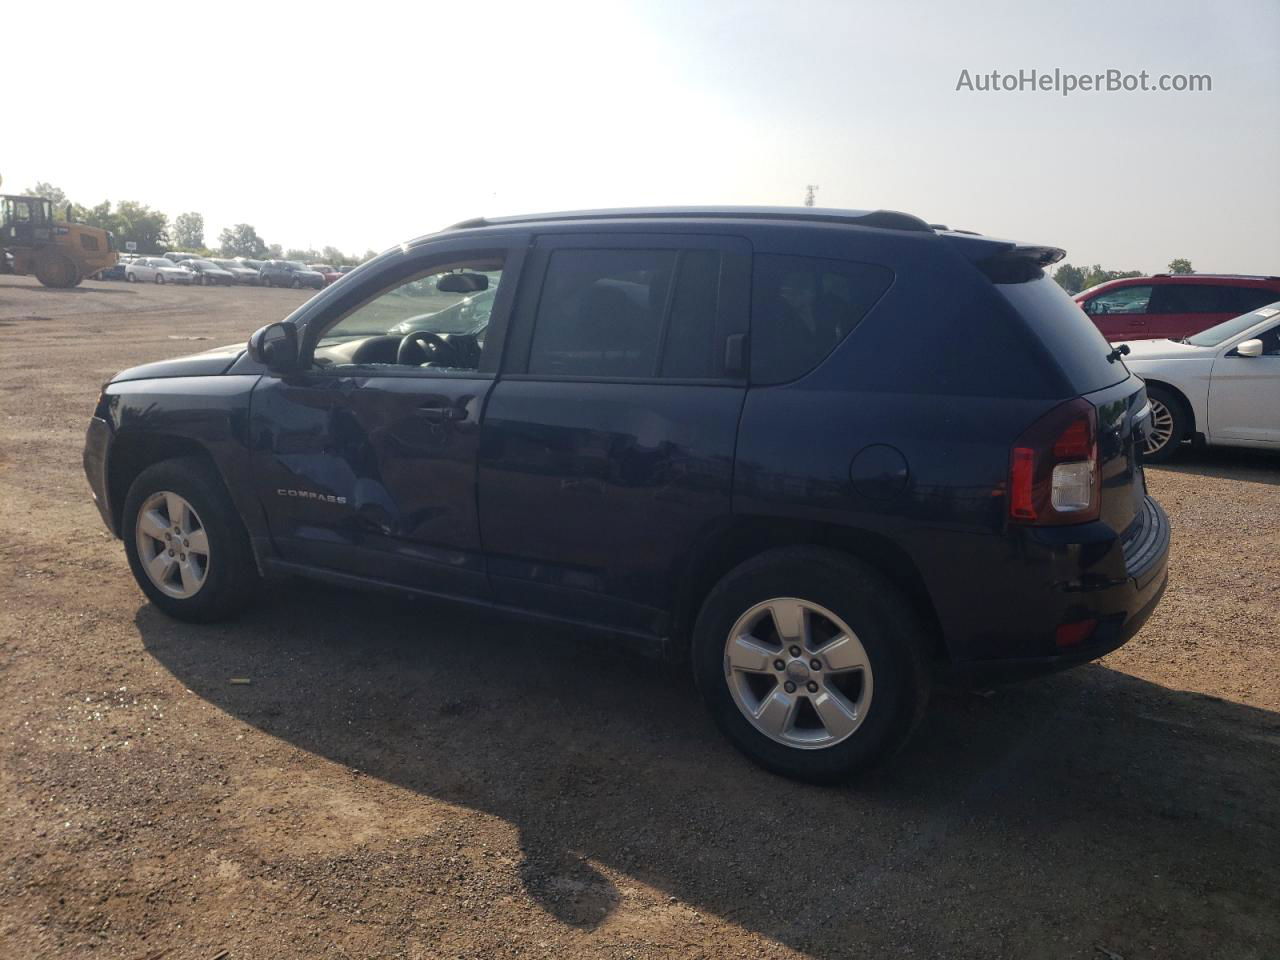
column 153, row 420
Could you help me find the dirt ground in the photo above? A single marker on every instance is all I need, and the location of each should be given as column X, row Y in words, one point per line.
column 414, row 780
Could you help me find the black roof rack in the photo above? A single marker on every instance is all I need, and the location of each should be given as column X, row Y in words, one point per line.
column 883, row 219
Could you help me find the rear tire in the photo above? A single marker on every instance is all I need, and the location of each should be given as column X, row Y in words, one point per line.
column 1170, row 424
column 874, row 705
column 297, row 285
column 227, row 580
column 265, row 281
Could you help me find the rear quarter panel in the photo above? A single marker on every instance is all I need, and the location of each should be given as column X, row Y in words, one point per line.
column 942, row 370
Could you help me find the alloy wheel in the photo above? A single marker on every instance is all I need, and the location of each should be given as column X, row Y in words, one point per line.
column 1161, row 427
column 172, row 545
column 798, row 673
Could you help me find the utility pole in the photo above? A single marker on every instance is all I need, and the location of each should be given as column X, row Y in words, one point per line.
column 809, row 191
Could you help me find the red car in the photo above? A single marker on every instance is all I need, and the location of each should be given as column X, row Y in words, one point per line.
column 329, row 272
column 1173, row 305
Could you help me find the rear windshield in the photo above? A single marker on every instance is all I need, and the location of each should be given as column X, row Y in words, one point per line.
column 1068, row 334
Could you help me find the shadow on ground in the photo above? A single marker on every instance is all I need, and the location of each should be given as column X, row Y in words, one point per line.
column 59, row 291
column 1246, row 464
column 1090, row 807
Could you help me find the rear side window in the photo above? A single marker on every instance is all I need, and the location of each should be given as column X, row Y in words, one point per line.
column 1247, row 299
column 802, row 307
column 1067, row 334
column 1196, row 298
column 629, row 313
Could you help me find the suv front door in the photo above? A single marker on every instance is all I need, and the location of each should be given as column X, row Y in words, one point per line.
column 1121, row 314
column 607, row 446
column 365, row 462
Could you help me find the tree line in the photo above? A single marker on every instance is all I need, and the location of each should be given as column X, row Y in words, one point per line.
column 1073, row 279
column 153, row 232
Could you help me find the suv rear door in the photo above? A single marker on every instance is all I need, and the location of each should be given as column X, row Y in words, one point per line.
column 607, row 445
column 1180, row 309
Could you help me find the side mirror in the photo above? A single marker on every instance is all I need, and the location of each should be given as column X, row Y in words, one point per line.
column 1249, row 348
column 275, row 346
column 462, row 283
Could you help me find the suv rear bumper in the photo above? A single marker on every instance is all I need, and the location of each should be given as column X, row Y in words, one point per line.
column 1116, row 582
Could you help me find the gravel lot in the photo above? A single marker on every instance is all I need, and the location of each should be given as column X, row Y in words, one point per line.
column 411, row 780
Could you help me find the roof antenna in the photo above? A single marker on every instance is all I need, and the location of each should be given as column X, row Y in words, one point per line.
column 810, row 190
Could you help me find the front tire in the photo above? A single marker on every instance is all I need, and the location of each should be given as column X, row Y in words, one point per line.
column 56, row 271
column 159, row 277
column 186, row 544
column 811, row 663
column 1170, row 425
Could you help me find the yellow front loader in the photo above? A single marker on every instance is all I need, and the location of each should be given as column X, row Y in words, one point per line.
column 60, row 254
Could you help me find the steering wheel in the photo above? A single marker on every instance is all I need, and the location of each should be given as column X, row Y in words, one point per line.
column 433, row 347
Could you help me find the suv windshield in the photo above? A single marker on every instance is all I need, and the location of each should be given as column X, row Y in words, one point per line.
column 1229, row 328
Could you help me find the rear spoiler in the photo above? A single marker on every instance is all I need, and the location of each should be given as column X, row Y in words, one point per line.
column 1004, row 261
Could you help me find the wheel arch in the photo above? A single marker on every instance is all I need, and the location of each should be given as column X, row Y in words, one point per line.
column 1180, row 395
column 746, row 537
column 135, row 451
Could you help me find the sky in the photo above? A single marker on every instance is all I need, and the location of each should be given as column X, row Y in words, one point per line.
column 362, row 125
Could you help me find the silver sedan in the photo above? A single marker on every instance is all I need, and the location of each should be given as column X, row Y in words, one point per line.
column 156, row 270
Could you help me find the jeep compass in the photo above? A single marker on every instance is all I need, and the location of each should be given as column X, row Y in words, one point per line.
column 822, row 457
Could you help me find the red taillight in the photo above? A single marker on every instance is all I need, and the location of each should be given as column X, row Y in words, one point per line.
column 1022, row 484
column 1053, row 468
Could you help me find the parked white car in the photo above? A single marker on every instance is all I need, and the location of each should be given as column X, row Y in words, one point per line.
column 1221, row 385
column 157, row 270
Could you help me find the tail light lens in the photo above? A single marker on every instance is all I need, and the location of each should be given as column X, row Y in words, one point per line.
column 1053, row 468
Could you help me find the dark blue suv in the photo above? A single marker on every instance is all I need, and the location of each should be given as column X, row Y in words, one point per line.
column 824, row 457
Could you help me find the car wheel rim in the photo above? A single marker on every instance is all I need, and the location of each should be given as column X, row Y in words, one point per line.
column 173, row 545
column 1161, row 428
column 798, row 673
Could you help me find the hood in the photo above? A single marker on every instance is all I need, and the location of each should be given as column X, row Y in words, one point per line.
column 1163, row 350
column 207, row 364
